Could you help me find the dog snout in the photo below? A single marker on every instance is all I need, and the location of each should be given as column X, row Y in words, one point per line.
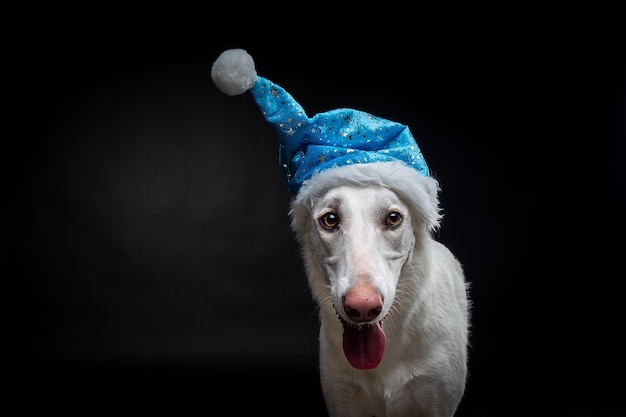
column 363, row 303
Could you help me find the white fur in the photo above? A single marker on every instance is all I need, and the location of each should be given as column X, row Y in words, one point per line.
column 421, row 284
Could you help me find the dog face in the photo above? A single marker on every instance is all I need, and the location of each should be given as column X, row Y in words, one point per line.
column 361, row 237
column 358, row 225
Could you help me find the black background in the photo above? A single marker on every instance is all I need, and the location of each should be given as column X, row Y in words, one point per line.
column 149, row 260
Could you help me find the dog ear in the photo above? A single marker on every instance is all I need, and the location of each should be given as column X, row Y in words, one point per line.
column 424, row 199
column 300, row 215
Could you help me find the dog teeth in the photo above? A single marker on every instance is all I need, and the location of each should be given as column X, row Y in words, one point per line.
column 360, row 326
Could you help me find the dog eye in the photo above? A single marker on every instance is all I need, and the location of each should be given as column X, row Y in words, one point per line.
column 329, row 220
column 393, row 219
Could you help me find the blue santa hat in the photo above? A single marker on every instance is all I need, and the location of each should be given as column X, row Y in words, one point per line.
column 308, row 145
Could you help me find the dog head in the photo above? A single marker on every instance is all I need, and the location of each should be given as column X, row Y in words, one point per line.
column 358, row 225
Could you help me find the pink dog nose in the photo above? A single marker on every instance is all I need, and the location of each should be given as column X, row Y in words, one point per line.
column 362, row 303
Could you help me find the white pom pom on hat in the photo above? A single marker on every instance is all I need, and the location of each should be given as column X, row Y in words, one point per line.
column 233, row 72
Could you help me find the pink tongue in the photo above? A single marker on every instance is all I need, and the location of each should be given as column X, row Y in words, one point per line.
column 364, row 345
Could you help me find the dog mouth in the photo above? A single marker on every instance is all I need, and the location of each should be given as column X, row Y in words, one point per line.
column 363, row 344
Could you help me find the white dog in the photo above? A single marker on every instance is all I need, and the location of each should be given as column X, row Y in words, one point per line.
column 393, row 305
column 392, row 301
